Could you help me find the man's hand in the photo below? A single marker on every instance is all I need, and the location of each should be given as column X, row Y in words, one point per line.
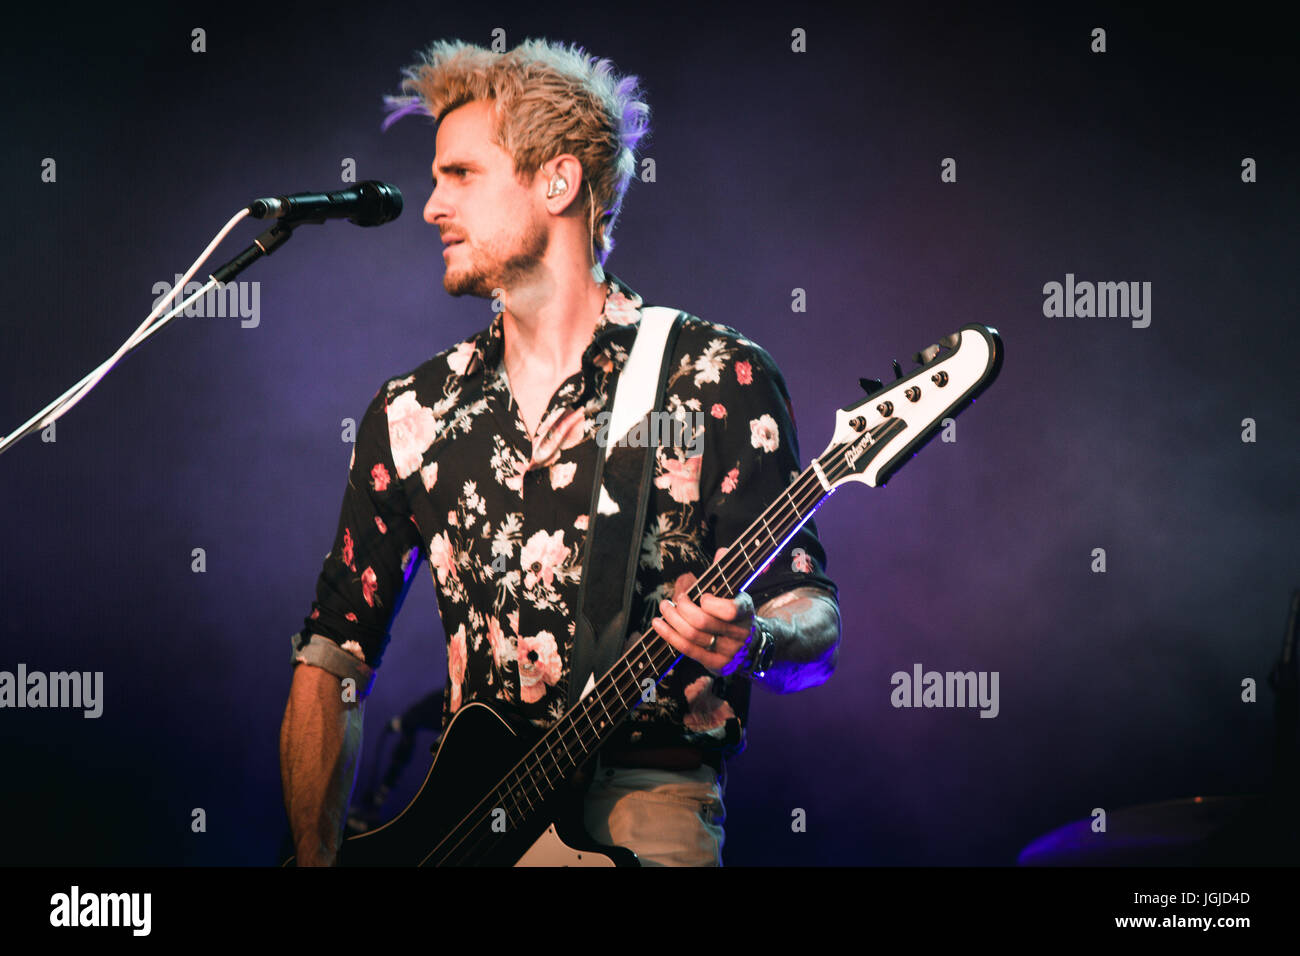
column 716, row 632
column 804, row 623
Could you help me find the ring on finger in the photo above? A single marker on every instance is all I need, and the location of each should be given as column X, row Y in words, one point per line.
column 713, row 643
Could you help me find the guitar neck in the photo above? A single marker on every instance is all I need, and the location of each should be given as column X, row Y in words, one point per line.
column 649, row 657
column 587, row 726
column 576, row 737
column 873, row 438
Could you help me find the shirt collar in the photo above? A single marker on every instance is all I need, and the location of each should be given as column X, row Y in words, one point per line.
column 613, row 336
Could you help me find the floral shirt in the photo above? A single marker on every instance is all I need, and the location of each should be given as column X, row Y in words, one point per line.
column 444, row 470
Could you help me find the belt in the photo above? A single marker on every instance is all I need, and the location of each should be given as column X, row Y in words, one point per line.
column 662, row 758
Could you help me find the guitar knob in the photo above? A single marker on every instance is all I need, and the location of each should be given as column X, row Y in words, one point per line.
column 913, row 394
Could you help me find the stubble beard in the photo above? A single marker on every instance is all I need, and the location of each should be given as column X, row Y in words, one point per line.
column 487, row 272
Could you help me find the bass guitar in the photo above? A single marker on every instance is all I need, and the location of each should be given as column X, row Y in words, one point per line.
column 502, row 793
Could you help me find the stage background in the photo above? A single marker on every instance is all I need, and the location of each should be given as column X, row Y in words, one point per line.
column 775, row 170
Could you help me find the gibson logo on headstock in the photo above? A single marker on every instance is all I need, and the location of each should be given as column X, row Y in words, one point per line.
column 853, row 454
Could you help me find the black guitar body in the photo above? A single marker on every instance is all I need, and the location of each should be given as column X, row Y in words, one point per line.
column 449, row 824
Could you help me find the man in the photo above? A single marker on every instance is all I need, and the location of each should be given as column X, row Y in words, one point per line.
column 482, row 460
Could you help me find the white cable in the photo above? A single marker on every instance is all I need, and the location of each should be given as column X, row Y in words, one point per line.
column 64, row 403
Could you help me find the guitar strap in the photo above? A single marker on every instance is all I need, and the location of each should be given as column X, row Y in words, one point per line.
column 619, row 500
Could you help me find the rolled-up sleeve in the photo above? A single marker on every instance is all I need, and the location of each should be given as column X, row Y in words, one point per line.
column 369, row 570
column 754, row 458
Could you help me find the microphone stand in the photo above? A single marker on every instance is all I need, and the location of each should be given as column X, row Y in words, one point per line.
column 424, row 714
column 263, row 245
column 1284, row 678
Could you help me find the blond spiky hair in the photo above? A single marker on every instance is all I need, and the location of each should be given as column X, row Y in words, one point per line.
column 549, row 100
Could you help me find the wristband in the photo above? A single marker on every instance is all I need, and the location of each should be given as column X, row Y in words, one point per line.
column 760, row 659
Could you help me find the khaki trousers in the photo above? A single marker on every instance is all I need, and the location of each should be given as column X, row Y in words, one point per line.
column 666, row 817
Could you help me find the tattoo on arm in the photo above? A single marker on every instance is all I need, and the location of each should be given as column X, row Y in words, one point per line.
column 806, row 625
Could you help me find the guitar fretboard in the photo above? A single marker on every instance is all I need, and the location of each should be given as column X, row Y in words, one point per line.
column 576, row 737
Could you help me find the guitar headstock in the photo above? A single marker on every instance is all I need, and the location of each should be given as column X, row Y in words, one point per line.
column 879, row 434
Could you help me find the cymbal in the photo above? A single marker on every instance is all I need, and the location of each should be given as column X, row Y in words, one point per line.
column 1241, row 830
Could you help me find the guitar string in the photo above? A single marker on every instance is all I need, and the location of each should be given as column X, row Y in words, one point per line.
column 651, row 636
column 622, row 678
column 547, row 748
column 534, row 761
column 811, row 495
column 701, row 587
column 528, row 772
column 626, row 680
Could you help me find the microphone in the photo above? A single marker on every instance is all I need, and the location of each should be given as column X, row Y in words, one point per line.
column 371, row 203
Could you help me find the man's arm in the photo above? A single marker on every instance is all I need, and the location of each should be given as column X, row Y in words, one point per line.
column 805, row 623
column 361, row 586
column 320, row 742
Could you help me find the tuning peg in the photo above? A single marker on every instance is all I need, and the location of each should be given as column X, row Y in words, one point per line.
column 871, row 385
column 898, row 369
column 950, row 341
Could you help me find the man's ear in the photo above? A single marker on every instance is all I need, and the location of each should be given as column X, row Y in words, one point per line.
column 561, row 182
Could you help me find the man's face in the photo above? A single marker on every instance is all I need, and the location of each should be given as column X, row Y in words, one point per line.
column 500, row 233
